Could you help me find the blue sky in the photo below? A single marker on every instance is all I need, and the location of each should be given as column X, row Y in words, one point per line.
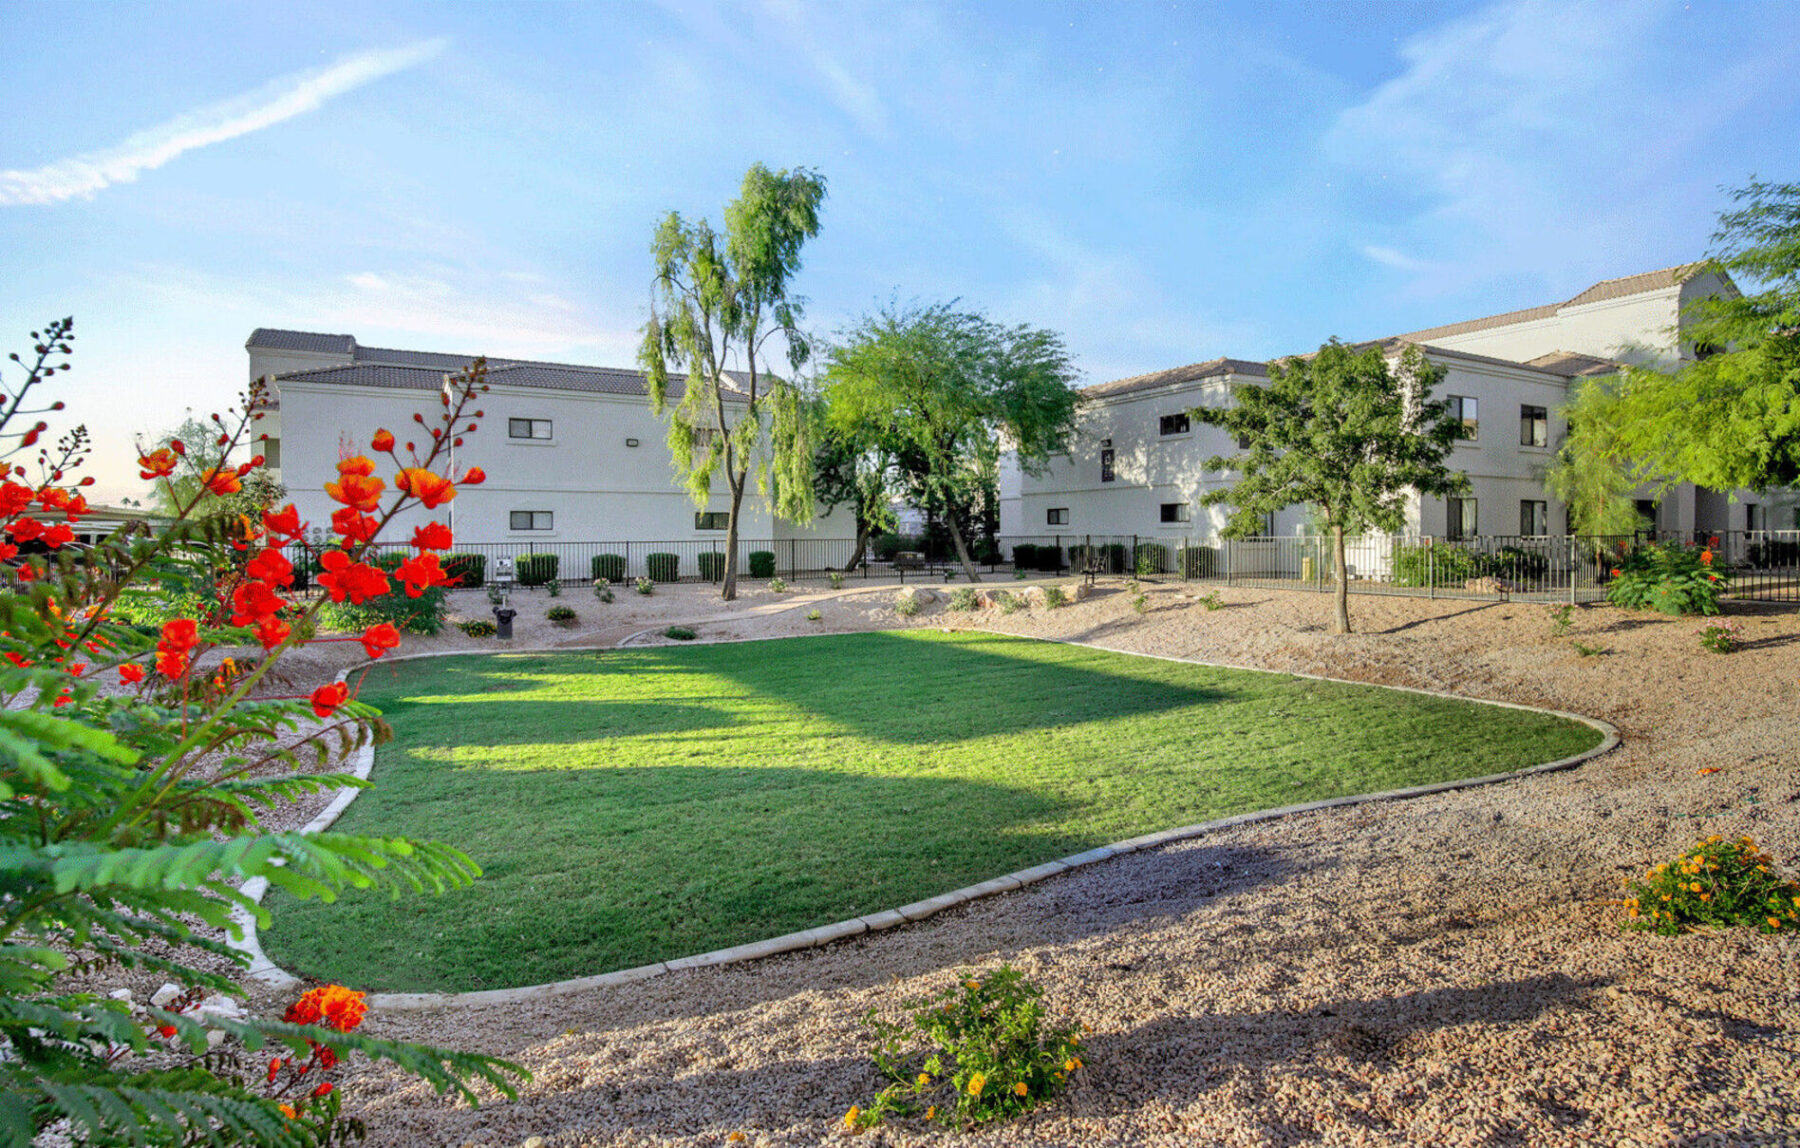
column 1161, row 182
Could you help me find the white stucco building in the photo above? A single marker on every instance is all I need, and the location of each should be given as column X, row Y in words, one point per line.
column 1136, row 467
column 573, row 454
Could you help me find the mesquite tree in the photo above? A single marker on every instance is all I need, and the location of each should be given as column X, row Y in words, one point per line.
column 947, row 391
column 716, row 304
column 1344, row 431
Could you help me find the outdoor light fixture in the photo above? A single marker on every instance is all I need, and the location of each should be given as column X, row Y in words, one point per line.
column 631, row 442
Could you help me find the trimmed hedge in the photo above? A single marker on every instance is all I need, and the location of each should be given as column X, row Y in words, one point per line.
column 1024, row 556
column 1199, row 561
column 1047, row 558
column 712, row 565
column 1152, row 558
column 662, row 567
column 536, row 569
column 1108, row 558
column 762, row 564
column 469, row 570
column 610, row 567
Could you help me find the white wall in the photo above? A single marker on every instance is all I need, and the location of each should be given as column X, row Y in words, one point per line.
column 1632, row 329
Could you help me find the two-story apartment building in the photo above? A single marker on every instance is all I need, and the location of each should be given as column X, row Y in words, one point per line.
column 1137, row 463
column 572, row 453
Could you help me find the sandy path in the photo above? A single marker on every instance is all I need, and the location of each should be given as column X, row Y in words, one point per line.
column 1442, row 971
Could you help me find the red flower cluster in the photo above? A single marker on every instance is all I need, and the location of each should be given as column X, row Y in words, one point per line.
column 327, row 699
column 179, row 638
column 356, row 487
column 333, row 1006
column 357, row 581
column 421, row 574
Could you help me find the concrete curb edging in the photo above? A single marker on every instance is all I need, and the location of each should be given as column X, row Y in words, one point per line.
column 265, row 970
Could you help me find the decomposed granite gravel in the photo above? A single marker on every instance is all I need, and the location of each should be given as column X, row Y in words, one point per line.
column 1447, row 970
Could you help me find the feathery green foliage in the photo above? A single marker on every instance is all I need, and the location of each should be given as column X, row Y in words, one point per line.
column 1343, row 431
column 717, row 301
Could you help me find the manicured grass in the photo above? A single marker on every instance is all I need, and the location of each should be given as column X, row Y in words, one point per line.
column 635, row 806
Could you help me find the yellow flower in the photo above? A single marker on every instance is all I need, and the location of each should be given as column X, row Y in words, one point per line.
column 924, row 1079
column 977, row 1083
column 1774, row 922
column 1695, row 887
column 1020, row 1088
column 1705, row 897
column 972, row 984
column 850, row 1117
column 736, row 1138
column 931, row 1113
column 1069, row 1065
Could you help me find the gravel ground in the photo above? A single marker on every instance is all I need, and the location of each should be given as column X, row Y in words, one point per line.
column 1447, row 970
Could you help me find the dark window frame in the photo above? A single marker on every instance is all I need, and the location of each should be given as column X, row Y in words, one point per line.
column 1529, row 517
column 1176, row 424
column 1460, row 406
column 1462, row 518
column 702, row 519
column 531, row 519
column 1534, row 428
column 1051, row 513
column 531, row 425
column 1107, row 473
column 1176, row 513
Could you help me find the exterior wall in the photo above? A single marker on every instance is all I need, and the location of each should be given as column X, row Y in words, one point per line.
column 596, row 486
column 1633, row 329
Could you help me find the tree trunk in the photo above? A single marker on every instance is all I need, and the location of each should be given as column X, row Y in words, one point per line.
column 962, row 551
column 729, row 591
column 862, row 547
column 1341, row 624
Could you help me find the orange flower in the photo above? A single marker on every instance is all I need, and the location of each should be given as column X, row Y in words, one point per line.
column 131, row 673
column 1615, row 572
column 180, row 634
column 433, row 536
column 421, row 574
column 380, row 638
column 1706, row 557
column 254, row 601
column 274, row 1067
column 356, row 488
column 272, row 631
column 474, row 476
column 333, row 1006
column 171, row 664
column 220, row 482
column 354, row 580
column 287, row 1110
column 324, row 1089
column 157, row 463
column 269, row 566
column 1709, row 770
column 353, row 527
column 325, row 699
column 1020, row 1089
column 383, row 441
column 428, row 486
column 283, row 525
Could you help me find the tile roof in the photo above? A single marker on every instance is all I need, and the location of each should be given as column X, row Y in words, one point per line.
column 1212, row 368
column 1658, row 280
column 1573, row 364
column 275, row 339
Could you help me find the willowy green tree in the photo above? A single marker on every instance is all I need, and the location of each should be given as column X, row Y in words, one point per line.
column 853, row 468
column 1587, row 473
column 1731, row 418
column 716, row 304
column 1345, row 431
column 947, row 390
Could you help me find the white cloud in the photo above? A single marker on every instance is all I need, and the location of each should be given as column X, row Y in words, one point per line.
column 450, row 310
column 89, row 173
column 1388, row 257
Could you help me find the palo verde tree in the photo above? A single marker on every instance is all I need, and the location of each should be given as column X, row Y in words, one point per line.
column 947, row 390
column 1344, row 431
column 1732, row 417
column 717, row 302
column 1587, row 474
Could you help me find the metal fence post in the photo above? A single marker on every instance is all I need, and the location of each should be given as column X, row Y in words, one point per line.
column 1430, row 567
column 1225, row 552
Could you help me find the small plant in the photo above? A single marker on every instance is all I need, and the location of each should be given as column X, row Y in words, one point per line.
column 561, row 615
column 813, row 615
column 680, row 634
column 964, row 599
column 837, row 579
column 494, row 596
column 1668, row 579
column 777, row 586
column 480, row 628
column 1009, row 603
column 603, row 590
column 906, row 603
column 1716, row 883
column 1562, row 618
column 1722, row 636
column 977, row 1052
column 646, row 587
column 1588, row 651
column 1132, row 587
column 555, row 589
column 1020, row 575
column 1211, row 601
column 950, row 575
column 1140, row 602
column 1055, row 597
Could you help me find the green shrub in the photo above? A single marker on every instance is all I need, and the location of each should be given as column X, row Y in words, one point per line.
column 837, row 580
column 421, row 615
column 1152, row 558
column 1562, row 618
column 555, row 588
column 712, row 565
column 888, row 545
column 777, row 586
column 1054, row 597
column 1717, row 883
column 1024, row 556
column 603, row 590
column 1212, row 601
column 978, row 1052
column 1009, row 603
column 1140, row 602
column 479, row 628
column 906, row 603
column 1518, row 564
column 964, row 599
column 1669, row 579
column 646, row 587
column 1199, row 562
column 610, row 567
column 986, row 552
column 469, row 570
column 680, row 634
column 1721, row 637
column 560, row 614
column 1049, row 559
column 662, row 567
column 1586, row 650
column 535, row 569
column 813, row 615
column 1446, row 565
column 762, row 564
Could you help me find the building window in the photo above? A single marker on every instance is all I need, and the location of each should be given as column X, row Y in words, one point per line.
column 1646, row 508
column 1534, row 426
column 703, row 439
column 712, row 519
column 1461, row 520
column 1106, row 465
column 532, row 520
column 528, row 428
column 1466, row 411
column 1268, row 525
column 271, row 452
column 1243, row 442
column 1057, row 516
column 1755, row 517
column 1534, row 518
column 1177, row 512
column 1173, row 424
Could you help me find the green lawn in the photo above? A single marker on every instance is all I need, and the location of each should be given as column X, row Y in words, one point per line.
column 634, row 806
